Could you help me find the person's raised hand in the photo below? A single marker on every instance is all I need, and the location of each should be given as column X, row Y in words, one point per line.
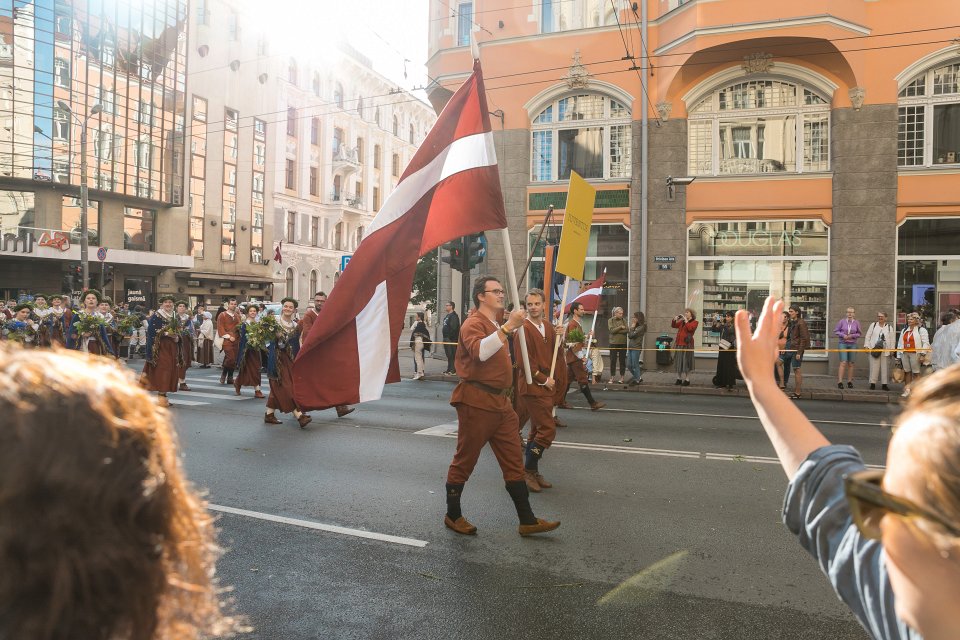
column 515, row 321
column 756, row 353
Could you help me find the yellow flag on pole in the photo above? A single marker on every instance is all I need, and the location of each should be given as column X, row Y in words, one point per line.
column 576, row 227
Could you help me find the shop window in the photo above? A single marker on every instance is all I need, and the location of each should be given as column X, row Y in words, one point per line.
column 928, row 269
column 751, row 128
column 736, row 265
column 928, row 132
column 597, row 147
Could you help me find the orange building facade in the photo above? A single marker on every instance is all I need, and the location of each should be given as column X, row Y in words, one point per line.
column 823, row 139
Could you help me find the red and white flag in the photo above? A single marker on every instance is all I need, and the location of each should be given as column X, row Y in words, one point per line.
column 277, row 257
column 590, row 297
column 450, row 189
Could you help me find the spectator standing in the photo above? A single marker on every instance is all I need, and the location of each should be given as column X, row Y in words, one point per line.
column 617, row 326
column 945, row 342
column 798, row 341
column 451, row 333
column 635, row 335
column 913, row 342
column 419, row 342
column 686, row 325
column 879, row 336
column 205, row 341
column 726, row 376
column 848, row 335
column 781, row 373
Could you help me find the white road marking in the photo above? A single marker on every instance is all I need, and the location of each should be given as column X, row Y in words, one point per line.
column 308, row 524
column 734, row 417
column 185, row 403
column 449, row 428
column 217, row 396
column 203, row 385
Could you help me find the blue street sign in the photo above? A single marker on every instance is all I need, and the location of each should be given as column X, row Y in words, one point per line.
column 344, row 261
column 102, row 254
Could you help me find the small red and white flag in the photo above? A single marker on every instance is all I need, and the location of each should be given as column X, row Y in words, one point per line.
column 590, row 297
column 450, row 189
column 276, row 253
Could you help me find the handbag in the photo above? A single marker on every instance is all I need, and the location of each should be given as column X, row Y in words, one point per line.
column 881, row 342
column 218, row 342
column 724, row 344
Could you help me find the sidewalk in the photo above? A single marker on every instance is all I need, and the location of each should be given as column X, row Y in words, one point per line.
column 815, row 387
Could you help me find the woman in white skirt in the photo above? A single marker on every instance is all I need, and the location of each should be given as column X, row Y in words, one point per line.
column 879, row 336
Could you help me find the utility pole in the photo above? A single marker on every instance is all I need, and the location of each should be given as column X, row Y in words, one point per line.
column 84, row 239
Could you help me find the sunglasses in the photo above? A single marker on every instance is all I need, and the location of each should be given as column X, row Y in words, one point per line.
column 869, row 503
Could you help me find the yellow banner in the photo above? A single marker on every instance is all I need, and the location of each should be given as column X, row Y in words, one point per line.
column 576, row 227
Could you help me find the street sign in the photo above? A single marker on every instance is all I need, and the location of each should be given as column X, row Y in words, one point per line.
column 102, row 254
column 664, row 267
column 344, row 261
column 660, row 259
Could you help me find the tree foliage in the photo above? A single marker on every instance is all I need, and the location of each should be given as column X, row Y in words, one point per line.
column 425, row 282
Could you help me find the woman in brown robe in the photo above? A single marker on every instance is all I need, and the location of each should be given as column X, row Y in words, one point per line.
column 161, row 370
column 248, row 358
column 187, row 333
column 280, row 355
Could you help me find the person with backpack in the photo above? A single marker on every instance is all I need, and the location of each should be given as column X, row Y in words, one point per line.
column 419, row 342
column 879, row 336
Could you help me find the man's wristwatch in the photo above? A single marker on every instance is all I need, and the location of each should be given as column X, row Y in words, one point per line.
column 505, row 332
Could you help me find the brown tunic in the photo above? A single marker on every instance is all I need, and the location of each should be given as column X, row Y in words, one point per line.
column 497, row 372
column 162, row 375
column 540, row 354
column 229, row 325
column 281, row 389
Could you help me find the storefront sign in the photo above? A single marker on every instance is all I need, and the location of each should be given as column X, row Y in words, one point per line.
column 670, row 259
column 758, row 238
column 12, row 243
column 59, row 240
column 135, row 296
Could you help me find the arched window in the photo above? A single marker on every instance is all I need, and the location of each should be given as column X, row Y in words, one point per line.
column 589, row 133
column 929, row 118
column 313, row 280
column 336, row 188
column 359, row 235
column 413, row 134
column 292, row 72
column 757, row 127
column 338, row 237
column 338, row 95
column 290, row 282
column 396, row 126
column 316, row 83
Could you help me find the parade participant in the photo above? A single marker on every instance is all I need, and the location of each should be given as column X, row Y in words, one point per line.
column 88, row 328
column 39, row 316
column 161, row 369
column 484, row 413
column 105, row 310
column 280, row 354
column 576, row 369
column 248, row 354
column 6, row 309
column 21, row 327
column 319, row 299
column 56, row 325
column 228, row 323
column 188, row 335
column 536, row 400
column 205, row 341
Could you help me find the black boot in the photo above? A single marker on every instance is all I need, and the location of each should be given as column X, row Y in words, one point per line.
column 230, row 377
column 585, row 390
column 453, row 501
column 521, row 500
column 532, row 456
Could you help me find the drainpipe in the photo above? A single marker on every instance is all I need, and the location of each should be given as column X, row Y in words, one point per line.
column 644, row 141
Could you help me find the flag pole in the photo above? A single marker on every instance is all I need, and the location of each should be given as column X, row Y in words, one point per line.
column 546, row 222
column 515, row 294
column 593, row 325
column 562, row 332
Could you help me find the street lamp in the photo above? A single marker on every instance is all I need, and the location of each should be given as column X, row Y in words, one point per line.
column 84, row 240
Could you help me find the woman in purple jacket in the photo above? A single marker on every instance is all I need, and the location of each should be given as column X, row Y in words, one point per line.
column 848, row 333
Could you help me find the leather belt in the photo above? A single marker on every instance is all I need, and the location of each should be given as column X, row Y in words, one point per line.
column 508, row 392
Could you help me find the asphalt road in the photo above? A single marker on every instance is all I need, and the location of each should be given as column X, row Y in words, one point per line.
column 670, row 511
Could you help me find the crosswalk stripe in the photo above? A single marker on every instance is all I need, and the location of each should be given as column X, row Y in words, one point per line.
column 216, row 396
column 185, row 403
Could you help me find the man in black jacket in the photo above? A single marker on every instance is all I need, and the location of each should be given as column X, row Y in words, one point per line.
column 451, row 333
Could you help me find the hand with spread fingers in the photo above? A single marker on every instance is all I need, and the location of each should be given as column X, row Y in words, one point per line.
column 757, row 353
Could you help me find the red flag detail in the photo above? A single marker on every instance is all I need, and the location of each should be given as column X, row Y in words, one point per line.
column 450, row 189
column 276, row 254
column 590, row 296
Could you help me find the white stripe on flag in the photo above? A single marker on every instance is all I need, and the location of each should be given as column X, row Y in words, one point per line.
column 373, row 344
column 463, row 154
column 590, row 292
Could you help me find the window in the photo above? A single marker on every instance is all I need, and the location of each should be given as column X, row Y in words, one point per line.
column 203, row 13
column 396, row 126
column 336, row 188
column 291, row 174
column 61, row 72
column 313, row 280
column 145, row 113
column 360, row 107
column 928, row 132
column 199, row 109
column 259, row 155
column 377, row 152
column 314, row 240
column 263, row 46
column 338, row 237
column 138, row 228
column 233, row 25
column 752, row 128
column 464, row 23
column 597, row 147
column 376, row 116
column 259, row 129
column 292, row 72
column 231, row 119
column 736, row 264
column 314, row 181
column 360, row 150
column 291, row 227
column 412, row 134
column 376, row 199
column 291, row 121
column 315, row 131
column 103, row 145
column 928, row 268
column 107, row 100
column 338, row 145
column 144, row 153
column 64, row 24
column 358, row 236
column 396, row 165
column 289, row 282
column 61, row 124
column 316, row 83
column 338, row 95
column 564, row 15
column 108, row 53
column 70, row 220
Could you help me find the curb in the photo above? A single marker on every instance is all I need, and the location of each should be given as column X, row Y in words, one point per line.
column 875, row 397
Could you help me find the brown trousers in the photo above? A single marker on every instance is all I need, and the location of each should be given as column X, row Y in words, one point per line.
column 539, row 410
column 479, row 427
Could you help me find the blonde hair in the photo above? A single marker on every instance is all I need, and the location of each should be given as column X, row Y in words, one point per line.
column 931, row 422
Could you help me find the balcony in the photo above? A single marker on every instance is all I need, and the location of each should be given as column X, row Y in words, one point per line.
column 345, row 161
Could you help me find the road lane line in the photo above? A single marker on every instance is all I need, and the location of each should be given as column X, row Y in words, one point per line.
column 330, row 528
column 217, row 396
column 186, row 403
column 734, row 417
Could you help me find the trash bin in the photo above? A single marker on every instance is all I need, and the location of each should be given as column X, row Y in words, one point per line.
column 664, row 356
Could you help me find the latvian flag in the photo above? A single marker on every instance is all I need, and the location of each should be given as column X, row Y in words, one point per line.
column 450, row 189
column 590, row 296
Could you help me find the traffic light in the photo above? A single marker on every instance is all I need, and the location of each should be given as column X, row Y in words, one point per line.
column 475, row 249
column 456, row 257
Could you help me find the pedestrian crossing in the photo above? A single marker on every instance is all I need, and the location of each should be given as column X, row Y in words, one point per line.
column 206, row 390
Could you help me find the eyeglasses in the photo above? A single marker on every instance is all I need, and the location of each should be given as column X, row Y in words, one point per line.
column 869, row 503
column 496, row 292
